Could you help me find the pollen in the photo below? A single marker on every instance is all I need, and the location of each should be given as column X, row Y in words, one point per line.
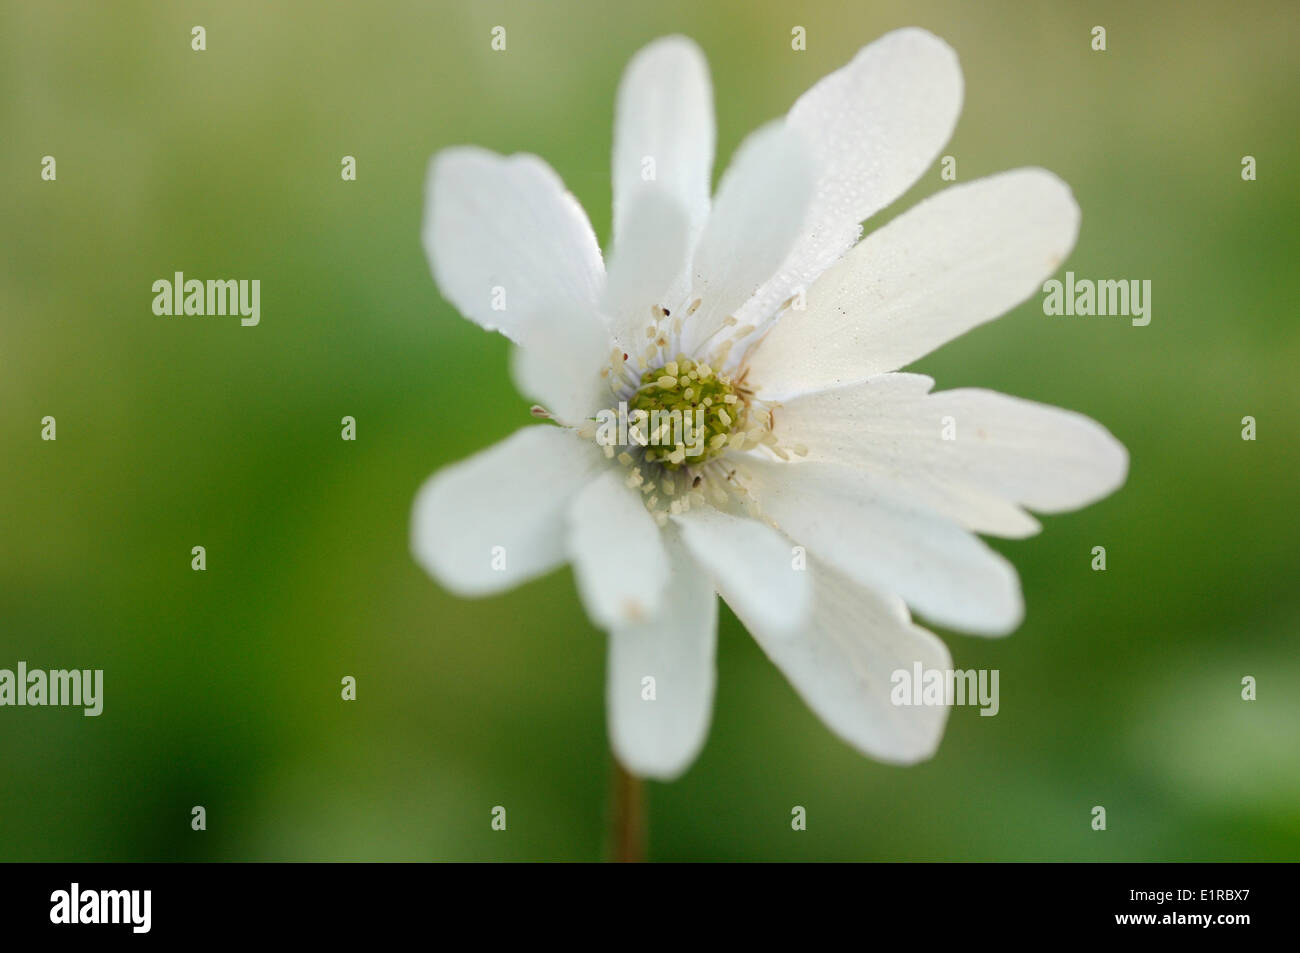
column 691, row 409
column 681, row 423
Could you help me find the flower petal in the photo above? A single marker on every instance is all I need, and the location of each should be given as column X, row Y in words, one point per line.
column 983, row 446
column 960, row 258
column 752, row 565
column 508, row 245
column 649, row 268
column 1048, row 459
column 660, row 738
column 878, row 538
column 513, row 496
column 665, row 115
column 841, row 662
column 885, row 429
column 875, row 126
column 617, row 552
column 562, row 371
column 760, row 206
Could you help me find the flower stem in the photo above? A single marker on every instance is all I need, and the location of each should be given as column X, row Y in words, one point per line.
column 627, row 825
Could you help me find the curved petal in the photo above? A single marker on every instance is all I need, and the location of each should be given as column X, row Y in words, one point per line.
column 658, row 734
column 872, row 534
column 496, row 519
column 562, row 372
column 752, row 565
column 617, row 552
column 884, row 428
column 960, row 258
column 508, row 245
column 876, row 125
column 1049, row 459
column 649, row 268
column 761, row 203
column 987, row 447
column 842, row 663
column 665, row 115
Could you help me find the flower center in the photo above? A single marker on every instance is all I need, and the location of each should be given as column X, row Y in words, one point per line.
column 687, row 411
column 675, row 418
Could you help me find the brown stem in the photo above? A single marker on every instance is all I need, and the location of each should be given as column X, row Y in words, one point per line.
column 627, row 826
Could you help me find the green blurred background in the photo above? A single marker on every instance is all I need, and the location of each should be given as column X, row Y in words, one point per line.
column 222, row 688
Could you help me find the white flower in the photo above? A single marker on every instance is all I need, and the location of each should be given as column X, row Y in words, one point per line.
column 795, row 331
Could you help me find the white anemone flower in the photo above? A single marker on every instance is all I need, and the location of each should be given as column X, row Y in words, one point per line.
column 826, row 493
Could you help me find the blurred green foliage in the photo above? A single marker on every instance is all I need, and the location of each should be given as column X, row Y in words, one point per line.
column 222, row 688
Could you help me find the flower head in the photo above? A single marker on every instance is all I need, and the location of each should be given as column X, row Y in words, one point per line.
column 726, row 414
